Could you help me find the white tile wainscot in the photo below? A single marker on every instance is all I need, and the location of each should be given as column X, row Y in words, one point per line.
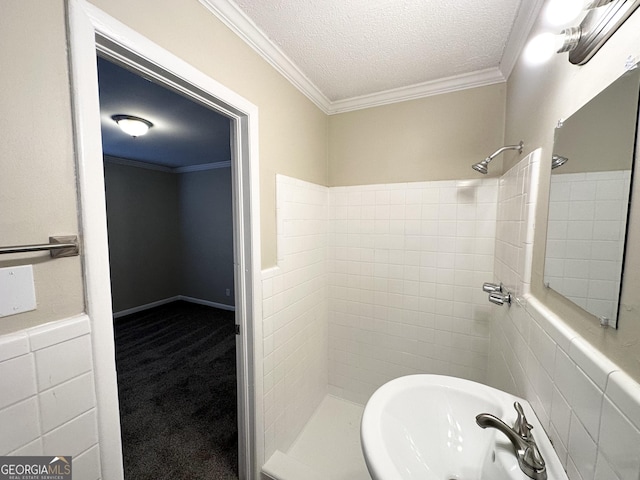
column 47, row 400
column 590, row 409
column 295, row 313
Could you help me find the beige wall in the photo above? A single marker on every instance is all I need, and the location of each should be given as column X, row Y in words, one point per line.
column 37, row 184
column 206, row 229
column 293, row 131
column 37, row 175
column 537, row 97
column 143, row 216
column 433, row 138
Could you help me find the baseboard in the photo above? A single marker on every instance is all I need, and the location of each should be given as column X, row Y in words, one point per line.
column 164, row 301
column 208, row 303
column 146, row 306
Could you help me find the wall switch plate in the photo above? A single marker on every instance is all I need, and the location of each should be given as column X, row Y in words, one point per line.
column 17, row 290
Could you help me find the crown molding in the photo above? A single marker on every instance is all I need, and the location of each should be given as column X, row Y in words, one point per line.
column 234, row 18
column 127, row 162
column 239, row 23
column 136, row 163
column 522, row 26
column 201, row 167
column 455, row 83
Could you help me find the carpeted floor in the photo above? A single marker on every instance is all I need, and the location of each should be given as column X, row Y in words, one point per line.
column 177, row 384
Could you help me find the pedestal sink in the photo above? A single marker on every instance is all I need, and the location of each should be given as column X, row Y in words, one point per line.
column 424, row 427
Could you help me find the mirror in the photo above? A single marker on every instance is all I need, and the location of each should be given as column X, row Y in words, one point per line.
column 589, row 198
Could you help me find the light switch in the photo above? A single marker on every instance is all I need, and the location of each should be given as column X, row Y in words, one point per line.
column 17, row 290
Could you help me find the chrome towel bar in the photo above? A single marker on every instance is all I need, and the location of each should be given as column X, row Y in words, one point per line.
column 65, row 246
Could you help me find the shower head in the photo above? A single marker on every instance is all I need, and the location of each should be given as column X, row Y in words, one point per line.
column 482, row 166
column 558, row 161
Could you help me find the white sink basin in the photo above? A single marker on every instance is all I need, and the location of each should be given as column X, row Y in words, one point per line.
column 424, row 427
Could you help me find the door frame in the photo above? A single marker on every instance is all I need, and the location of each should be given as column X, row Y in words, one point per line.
column 91, row 31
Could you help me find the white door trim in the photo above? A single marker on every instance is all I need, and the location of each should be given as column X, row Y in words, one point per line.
column 91, row 30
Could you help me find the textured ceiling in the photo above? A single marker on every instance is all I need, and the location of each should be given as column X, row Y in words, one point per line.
column 359, row 47
column 184, row 132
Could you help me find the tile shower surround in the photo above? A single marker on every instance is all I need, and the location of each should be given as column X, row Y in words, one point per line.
column 405, row 263
column 373, row 282
column 590, row 409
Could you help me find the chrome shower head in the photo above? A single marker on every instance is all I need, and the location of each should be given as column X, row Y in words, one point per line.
column 558, row 161
column 481, row 166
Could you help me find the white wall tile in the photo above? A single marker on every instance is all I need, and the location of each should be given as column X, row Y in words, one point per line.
column 18, row 380
column 64, row 402
column 582, row 449
column 30, row 449
column 87, row 465
column 63, row 361
column 591, row 434
column 604, row 470
column 620, row 442
column 75, row 436
column 416, row 273
column 624, row 392
column 51, row 333
column 24, row 423
column 14, row 345
column 586, row 400
column 20, row 425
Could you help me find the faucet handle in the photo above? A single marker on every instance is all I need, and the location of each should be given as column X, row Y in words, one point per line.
column 522, row 426
column 492, row 287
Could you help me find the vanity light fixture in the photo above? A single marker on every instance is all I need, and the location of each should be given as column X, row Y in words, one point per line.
column 562, row 12
column 134, row 126
column 602, row 19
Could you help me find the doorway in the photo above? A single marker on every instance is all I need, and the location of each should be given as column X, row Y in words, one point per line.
column 170, row 226
column 91, row 31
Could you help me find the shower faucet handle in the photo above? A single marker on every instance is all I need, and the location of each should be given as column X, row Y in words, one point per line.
column 492, row 287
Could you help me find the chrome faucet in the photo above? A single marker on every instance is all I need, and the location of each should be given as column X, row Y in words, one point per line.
column 526, row 450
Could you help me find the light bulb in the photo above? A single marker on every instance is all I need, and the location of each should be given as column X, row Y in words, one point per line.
column 541, row 48
column 134, row 126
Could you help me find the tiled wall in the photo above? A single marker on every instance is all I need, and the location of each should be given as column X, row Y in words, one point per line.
column 406, row 261
column 403, row 262
column 517, row 199
column 47, row 398
column 587, row 219
column 590, row 409
column 295, row 313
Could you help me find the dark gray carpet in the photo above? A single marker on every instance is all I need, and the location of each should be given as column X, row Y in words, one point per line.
column 177, row 384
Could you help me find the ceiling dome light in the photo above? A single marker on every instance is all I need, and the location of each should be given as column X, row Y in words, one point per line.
column 134, row 126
